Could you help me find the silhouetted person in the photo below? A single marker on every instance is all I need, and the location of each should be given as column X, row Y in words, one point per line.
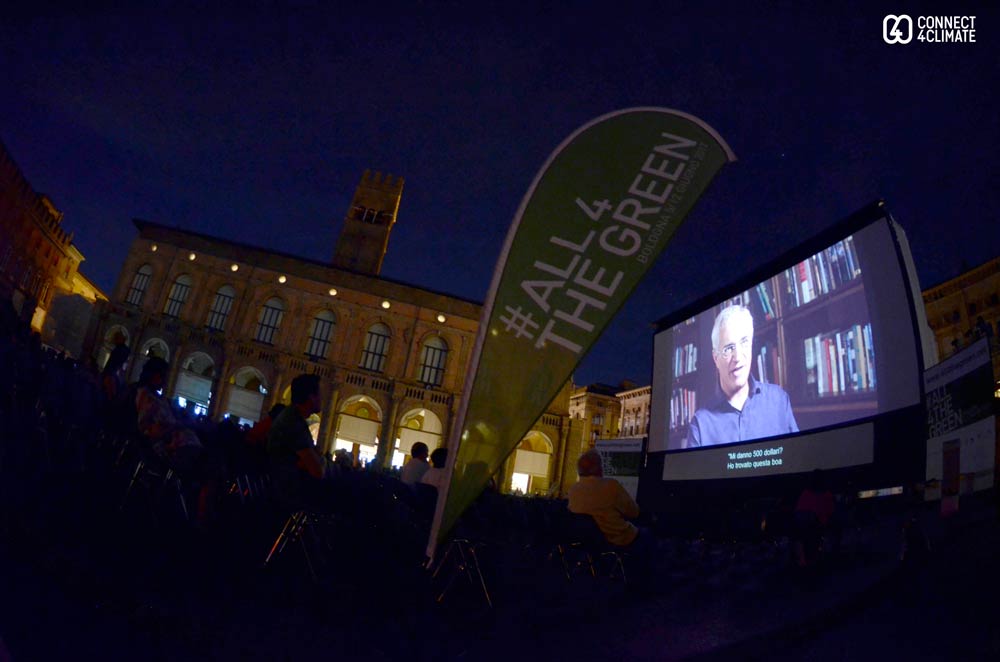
column 297, row 466
column 113, row 374
column 174, row 442
column 177, row 444
column 415, row 469
column 343, row 460
column 435, row 475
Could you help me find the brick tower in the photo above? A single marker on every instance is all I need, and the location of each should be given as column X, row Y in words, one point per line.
column 364, row 240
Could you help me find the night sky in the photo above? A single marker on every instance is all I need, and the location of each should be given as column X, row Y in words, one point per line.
column 256, row 125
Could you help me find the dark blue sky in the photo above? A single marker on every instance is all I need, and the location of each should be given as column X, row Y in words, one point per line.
column 256, row 125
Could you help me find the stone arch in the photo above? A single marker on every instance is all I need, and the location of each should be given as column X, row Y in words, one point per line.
column 194, row 382
column 532, row 467
column 262, row 297
column 417, row 424
column 368, row 321
column 312, row 309
column 536, row 441
column 358, row 426
column 246, row 390
column 199, row 363
column 156, row 347
column 249, row 377
column 450, row 338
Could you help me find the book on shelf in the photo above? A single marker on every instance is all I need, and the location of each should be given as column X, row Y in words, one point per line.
column 769, row 365
column 682, row 406
column 869, row 354
column 824, row 272
column 791, row 292
column 810, row 360
column 764, row 297
column 685, row 359
column 839, row 362
column 854, row 267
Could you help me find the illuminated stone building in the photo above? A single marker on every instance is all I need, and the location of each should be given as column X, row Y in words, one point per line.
column 598, row 408
column 545, row 460
column 38, row 262
column 635, row 411
column 965, row 308
column 237, row 323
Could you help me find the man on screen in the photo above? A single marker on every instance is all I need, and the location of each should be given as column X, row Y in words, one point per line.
column 741, row 408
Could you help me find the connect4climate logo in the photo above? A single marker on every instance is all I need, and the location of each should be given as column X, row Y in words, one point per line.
column 929, row 29
column 891, row 32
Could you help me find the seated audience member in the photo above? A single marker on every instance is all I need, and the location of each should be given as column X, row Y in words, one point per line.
column 415, row 469
column 605, row 500
column 176, row 444
column 343, row 460
column 297, row 466
column 435, row 475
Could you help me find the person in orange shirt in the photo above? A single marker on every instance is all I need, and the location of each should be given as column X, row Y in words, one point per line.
column 605, row 500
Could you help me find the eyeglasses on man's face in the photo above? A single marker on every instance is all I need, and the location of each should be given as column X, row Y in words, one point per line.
column 743, row 345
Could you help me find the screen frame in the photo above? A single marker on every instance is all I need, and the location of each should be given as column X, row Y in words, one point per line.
column 891, row 460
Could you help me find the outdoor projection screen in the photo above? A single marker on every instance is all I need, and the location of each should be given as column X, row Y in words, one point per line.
column 825, row 345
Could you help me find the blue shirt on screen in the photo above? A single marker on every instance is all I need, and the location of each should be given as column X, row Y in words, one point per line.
column 767, row 412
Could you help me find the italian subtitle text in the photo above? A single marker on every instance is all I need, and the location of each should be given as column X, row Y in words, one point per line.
column 757, row 458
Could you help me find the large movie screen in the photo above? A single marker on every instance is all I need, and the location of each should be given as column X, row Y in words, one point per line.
column 825, row 342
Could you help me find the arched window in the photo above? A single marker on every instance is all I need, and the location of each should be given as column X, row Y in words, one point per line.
column 178, row 295
column 221, row 306
column 140, row 282
column 432, row 360
column 376, row 348
column 269, row 320
column 319, row 334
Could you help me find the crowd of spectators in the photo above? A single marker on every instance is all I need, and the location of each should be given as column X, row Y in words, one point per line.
column 64, row 414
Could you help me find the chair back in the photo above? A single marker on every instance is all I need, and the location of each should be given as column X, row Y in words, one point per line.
column 580, row 528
